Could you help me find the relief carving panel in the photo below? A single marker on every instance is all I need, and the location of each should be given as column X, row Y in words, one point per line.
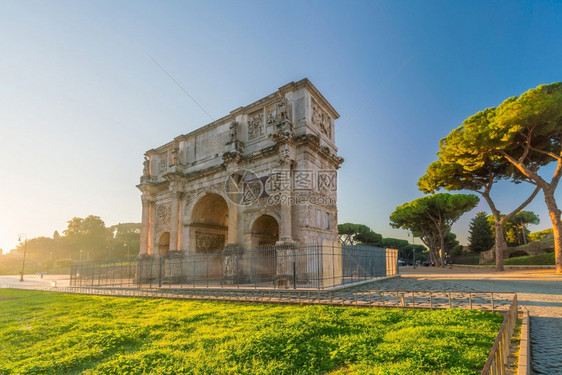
column 255, row 125
column 278, row 112
column 163, row 164
column 208, row 242
column 321, row 119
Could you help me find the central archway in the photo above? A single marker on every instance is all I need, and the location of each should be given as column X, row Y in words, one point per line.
column 209, row 219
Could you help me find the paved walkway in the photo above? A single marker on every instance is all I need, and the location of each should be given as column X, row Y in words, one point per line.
column 30, row 280
column 539, row 291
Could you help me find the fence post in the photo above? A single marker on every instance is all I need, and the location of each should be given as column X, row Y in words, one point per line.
column 294, row 275
column 139, row 271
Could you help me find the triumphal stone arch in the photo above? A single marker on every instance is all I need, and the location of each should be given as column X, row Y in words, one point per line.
column 265, row 175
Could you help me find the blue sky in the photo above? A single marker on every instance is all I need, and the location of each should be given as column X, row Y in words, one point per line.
column 82, row 99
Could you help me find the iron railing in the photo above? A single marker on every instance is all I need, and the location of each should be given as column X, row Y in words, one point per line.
column 497, row 360
column 282, row 267
column 495, row 302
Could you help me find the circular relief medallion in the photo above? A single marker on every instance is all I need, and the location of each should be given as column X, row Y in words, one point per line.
column 161, row 213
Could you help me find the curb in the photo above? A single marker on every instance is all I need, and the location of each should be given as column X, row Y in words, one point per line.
column 524, row 367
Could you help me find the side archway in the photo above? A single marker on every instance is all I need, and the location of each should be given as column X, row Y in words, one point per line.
column 265, row 231
column 164, row 244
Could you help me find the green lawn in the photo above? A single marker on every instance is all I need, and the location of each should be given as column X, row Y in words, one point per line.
column 50, row 333
column 541, row 259
column 546, row 259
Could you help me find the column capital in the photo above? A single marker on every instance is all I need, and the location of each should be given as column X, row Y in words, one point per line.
column 148, row 198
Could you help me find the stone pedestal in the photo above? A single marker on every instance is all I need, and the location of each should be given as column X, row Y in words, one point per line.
column 232, row 265
column 173, row 272
column 286, row 276
column 147, row 269
column 332, row 264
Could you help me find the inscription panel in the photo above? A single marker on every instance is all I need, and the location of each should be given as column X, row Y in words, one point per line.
column 210, row 144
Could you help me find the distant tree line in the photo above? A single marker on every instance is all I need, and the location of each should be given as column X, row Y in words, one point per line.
column 359, row 234
column 84, row 239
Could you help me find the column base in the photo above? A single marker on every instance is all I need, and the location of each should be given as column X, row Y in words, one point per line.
column 173, row 271
column 285, row 276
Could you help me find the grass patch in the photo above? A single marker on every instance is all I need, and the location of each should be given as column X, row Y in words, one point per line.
column 540, row 259
column 545, row 259
column 50, row 333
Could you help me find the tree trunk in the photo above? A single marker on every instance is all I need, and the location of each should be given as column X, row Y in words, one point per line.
column 501, row 245
column 554, row 214
column 442, row 252
column 433, row 255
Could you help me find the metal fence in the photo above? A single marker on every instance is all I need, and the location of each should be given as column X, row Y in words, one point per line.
column 314, row 266
column 495, row 302
column 497, row 360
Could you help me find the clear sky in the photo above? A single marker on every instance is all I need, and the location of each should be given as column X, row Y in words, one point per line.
column 82, row 99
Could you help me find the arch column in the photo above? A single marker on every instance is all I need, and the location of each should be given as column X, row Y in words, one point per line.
column 152, row 245
column 285, row 230
column 286, row 222
column 145, row 226
column 174, row 221
column 233, row 224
